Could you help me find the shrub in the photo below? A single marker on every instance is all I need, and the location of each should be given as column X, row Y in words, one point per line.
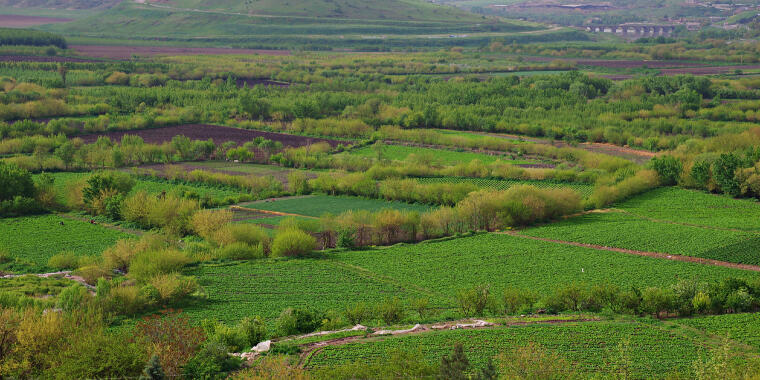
column 513, row 300
column 148, row 264
column 298, row 182
column 16, row 182
column 474, row 301
column 456, row 366
column 657, row 301
column 91, row 273
column 421, row 306
column 173, row 287
column 127, row 300
column 390, row 311
column 292, row 242
column 253, row 329
column 297, row 321
column 72, row 298
column 249, row 234
column 668, row 168
column 534, row 362
column 64, row 260
column 120, row 254
column 357, row 313
column 206, row 223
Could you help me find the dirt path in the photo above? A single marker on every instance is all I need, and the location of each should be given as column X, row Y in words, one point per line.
column 689, row 259
column 311, row 349
column 277, row 213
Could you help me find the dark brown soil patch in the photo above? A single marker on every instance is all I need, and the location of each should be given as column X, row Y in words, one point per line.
column 126, row 52
column 218, row 133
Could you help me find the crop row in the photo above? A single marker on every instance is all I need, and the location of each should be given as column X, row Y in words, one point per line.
column 744, row 328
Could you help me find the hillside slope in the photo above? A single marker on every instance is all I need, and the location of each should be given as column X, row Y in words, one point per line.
column 60, row 4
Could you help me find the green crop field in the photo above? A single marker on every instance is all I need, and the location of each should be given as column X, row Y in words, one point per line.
column 502, row 184
column 437, row 156
column 266, row 287
column 653, row 351
column 744, row 328
column 31, row 241
column 695, row 207
column 433, row 270
column 150, row 185
column 645, row 235
column 257, row 169
column 319, row 205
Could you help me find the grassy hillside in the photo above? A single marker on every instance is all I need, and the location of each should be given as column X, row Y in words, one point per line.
column 314, row 25
column 60, row 4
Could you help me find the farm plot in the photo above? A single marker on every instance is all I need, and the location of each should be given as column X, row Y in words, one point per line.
column 679, row 206
column 744, row 328
column 266, row 287
column 31, row 241
column 126, row 52
column 64, row 181
column 589, row 346
column 437, row 156
column 318, row 205
column 504, row 261
column 502, row 184
column 620, row 230
column 217, row 133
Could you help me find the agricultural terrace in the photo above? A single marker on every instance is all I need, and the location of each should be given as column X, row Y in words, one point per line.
column 739, row 327
column 29, row 242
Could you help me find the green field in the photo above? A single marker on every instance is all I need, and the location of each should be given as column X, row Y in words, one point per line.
column 590, row 346
column 318, row 205
column 32, row 240
column 695, row 207
column 257, row 169
column 744, row 328
column 152, row 186
column 433, row 270
column 436, row 156
column 502, row 184
column 641, row 234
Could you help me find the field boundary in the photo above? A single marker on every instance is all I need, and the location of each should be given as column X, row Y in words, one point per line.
column 658, row 255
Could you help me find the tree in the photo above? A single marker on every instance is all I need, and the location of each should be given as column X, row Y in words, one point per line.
column 66, row 153
column 153, row 370
column 15, row 182
column 724, row 172
column 62, row 71
column 668, row 168
column 455, row 366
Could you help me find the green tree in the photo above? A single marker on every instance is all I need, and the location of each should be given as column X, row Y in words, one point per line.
column 15, row 182
column 724, row 172
column 454, row 367
column 668, row 168
column 153, row 370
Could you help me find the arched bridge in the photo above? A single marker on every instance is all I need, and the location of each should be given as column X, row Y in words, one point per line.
column 634, row 30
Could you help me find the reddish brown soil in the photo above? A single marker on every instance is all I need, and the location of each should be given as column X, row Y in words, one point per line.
column 126, row 52
column 30, row 58
column 16, row 21
column 218, row 133
column 658, row 255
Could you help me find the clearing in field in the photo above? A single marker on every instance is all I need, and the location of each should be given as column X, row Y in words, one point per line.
column 318, row 205
column 30, row 241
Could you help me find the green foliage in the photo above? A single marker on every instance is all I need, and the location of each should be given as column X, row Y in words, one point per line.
column 668, row 168
column 724, row 170
column 153, row 370
column 291, row 243
column 16, row 182
column 9, row 36
column 297, row 321
column 454, row 367
column 390, row 310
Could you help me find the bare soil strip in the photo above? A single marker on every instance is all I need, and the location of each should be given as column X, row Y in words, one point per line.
column 658, row 255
